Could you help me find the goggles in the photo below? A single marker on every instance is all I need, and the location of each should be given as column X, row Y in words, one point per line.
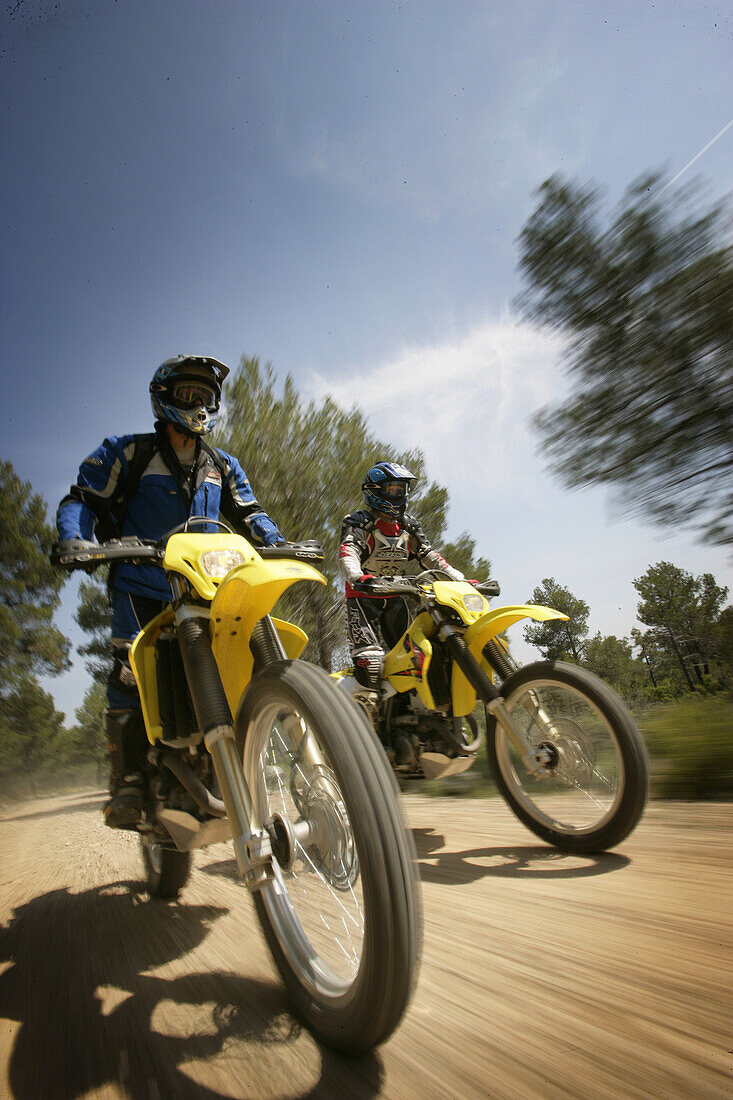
column 191, row 395
column 395, row 490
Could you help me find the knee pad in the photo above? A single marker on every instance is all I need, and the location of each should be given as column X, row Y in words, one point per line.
column 368, row 667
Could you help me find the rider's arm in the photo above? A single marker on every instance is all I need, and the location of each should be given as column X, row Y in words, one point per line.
column 239, row 505
column 421, row 549
column 95, row 490
column 353, row 544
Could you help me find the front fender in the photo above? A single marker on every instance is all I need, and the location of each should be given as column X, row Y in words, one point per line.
column 143, row 664
column 245, row 596
column 486, row 627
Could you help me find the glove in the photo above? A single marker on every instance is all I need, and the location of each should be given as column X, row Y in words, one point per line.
column 368, row 579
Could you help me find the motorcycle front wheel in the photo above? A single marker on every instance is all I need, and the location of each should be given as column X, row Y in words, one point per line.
column 593, row 788
column 342, row 916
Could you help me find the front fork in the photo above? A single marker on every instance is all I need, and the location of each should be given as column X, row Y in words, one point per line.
column 252, row 844
column 535, row 760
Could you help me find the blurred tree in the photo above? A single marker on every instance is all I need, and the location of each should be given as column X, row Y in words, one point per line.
column 556, row 639
column 94, row 616
column 723, row 633
column 613, row 660
column 647, row 302
column 306, row 462
column 29, row 588
column 86, row 741
column 31, row 729
column 681, row 611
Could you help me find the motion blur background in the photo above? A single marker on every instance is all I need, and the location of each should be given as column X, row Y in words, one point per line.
column 351, row 192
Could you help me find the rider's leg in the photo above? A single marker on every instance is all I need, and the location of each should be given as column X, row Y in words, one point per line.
column 367, row 652
column 394, row 620
column 127, row 742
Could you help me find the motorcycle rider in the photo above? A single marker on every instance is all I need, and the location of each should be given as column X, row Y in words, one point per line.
column 380, row 541
column 145, row 485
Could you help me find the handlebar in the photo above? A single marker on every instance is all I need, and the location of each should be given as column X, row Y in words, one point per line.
column 302, row 551
column 410, row 586
column 91, row 556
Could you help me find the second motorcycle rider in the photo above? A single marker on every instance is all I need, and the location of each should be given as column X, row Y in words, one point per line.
column 380, row 541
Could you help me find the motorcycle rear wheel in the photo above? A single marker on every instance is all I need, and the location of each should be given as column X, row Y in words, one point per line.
column 166, row 869
column 593, row 791
column 343, row 921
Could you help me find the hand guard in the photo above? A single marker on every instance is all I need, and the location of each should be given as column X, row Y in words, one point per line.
column 67, row 554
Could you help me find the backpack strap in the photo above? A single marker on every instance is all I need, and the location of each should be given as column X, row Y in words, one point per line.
column 109, row 523
column 215, row 457
column 145, row 448
column 111, row 526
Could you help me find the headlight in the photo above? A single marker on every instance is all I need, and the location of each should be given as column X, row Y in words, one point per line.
column 473, row 601
column 217, row 563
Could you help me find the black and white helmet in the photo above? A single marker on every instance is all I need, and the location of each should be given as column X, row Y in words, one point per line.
column 186, row 392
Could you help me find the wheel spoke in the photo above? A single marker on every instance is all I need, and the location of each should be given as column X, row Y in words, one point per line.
column 322, row 886
column 581, row 786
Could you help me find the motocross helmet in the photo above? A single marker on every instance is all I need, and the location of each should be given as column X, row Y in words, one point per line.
column 386, row 488
column 186, row 393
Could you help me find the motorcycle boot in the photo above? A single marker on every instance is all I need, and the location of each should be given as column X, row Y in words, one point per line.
column 127, row 747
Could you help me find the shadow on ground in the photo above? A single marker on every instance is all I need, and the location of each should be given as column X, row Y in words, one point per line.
column 77, row 984
column 514, row 861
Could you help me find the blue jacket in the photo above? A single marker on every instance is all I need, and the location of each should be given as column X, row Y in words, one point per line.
column 166, row 495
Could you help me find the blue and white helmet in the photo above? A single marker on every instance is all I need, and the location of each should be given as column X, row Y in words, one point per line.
column 386, row 488
column 186, row 393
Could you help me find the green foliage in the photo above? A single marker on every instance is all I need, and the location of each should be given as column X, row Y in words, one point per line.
column 691, row 747
column 86, row 742
column 557, row 639
column 31, row 730
column 681, row 611
column 94, row 616
column 723, row 637
column 613, row 660
column 306, row 462
column 29, row 587
column 647, row 301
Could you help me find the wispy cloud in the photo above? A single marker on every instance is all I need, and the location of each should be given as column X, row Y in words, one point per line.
column 464, row 400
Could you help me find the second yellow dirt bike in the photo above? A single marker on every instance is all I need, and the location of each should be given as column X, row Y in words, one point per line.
column 248, row 742
column 564, row 750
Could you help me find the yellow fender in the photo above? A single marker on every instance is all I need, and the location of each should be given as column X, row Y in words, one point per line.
column 486, row 627
column 245, row 596
column 142, row 661
column 407, row 669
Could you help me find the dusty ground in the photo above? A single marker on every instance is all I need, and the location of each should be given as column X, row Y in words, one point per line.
column 542, row 976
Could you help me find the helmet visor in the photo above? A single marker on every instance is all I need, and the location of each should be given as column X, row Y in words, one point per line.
column 394, row 490
column 191, row 394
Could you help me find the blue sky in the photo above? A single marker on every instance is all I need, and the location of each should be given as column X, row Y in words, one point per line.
column 338, row 188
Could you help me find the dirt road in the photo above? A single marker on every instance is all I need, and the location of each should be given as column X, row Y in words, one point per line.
column 543, row 975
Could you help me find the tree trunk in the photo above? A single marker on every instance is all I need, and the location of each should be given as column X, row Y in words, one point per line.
column 681, row 660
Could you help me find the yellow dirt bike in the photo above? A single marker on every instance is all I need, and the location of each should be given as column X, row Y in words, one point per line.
column 248, row 742
column 564, row 750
